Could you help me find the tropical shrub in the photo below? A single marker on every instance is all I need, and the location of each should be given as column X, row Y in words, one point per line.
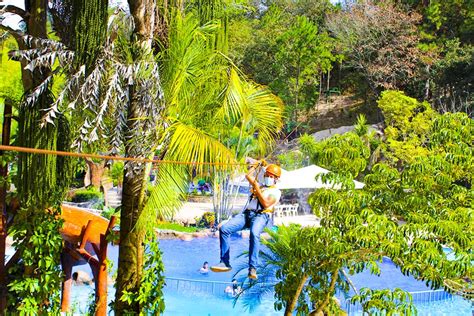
column 86, row 194
column 208, row 219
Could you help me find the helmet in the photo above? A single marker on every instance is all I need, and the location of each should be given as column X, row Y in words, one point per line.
column 273, row 170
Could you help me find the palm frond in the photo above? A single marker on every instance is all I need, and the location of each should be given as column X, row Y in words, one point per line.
column 266, row 111
column 235, row 101
column 186, row 60
column 252, row 108
column 165, row 197
column 189, row 144
column 253, row 291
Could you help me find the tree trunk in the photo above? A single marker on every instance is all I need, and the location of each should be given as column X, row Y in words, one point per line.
column 329, row 293
column 97, row 177
column 131, row 250
column 95, row 173
column 130, row 262
column 292, row 304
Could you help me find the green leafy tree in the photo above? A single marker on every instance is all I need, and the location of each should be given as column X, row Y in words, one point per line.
column 451, row 89
column 447, row 27
column 289, row 53
column 302, row 55
column 446, row 19
column 409, row 209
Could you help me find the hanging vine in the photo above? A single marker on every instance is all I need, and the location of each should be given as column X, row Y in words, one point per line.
column 90, row 16
column 34, row 282
column 41, row 183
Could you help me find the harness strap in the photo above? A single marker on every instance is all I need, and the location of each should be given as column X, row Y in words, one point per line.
column 260, row 208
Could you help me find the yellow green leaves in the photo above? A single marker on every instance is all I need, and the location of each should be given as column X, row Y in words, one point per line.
column 189, row 144
column 385, row 301
column 408, row 123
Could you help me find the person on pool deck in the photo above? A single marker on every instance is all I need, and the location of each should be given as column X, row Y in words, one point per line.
column 256, row 216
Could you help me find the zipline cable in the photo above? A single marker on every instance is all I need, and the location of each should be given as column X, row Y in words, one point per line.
column 281, row 141
column 133, row 159
column 120, row 158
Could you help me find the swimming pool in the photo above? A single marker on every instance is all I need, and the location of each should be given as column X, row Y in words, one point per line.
column 205, row 295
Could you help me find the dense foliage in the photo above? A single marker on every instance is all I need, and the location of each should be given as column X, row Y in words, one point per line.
column 362, row 47
column 167, row 82
column 417, row 198
column 417, row 201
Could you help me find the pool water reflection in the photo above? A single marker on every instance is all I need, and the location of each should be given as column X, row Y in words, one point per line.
column 183, row 259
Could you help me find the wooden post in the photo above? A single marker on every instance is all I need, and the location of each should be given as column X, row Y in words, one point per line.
column 101, row 280
column 81, row 227
column 7, row 118
column 66, row 262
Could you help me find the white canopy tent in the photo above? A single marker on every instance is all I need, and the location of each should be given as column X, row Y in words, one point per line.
column 303, row 178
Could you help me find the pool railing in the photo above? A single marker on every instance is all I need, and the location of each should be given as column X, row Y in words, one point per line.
column 217, row 288
column 419, row 297
column 196, row 286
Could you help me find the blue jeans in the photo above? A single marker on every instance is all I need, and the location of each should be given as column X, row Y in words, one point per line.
column 248, row 219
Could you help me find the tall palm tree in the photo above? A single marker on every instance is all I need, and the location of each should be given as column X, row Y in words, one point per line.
column 204, row 90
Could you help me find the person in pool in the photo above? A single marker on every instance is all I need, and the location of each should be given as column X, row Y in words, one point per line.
column 205, row 268
column 256, row 216
column 236, row 289
column 233, row 290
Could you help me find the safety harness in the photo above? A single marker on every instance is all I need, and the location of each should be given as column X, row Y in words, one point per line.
column 260, row 208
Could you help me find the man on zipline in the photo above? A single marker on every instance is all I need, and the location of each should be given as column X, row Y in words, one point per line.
column 255, row 216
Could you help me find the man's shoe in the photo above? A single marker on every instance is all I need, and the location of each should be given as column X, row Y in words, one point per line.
column 253, row 274
column 221, row 267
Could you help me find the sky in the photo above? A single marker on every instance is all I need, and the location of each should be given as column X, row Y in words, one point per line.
column 12, row 20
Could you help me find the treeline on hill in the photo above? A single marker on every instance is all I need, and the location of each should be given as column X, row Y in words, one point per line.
column 306, row 50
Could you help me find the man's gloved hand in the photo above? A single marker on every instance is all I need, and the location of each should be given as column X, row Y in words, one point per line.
column 250, row 161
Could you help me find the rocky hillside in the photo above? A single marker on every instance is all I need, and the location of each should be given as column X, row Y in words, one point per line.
column 334, row 115
column 340, row 110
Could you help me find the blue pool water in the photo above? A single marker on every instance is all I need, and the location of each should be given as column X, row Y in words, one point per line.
column 182, row 260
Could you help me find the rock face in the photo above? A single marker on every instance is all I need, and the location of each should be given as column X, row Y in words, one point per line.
column 172, row 234
column 186, row 237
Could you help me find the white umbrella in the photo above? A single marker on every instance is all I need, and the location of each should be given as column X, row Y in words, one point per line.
column 305, row 178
